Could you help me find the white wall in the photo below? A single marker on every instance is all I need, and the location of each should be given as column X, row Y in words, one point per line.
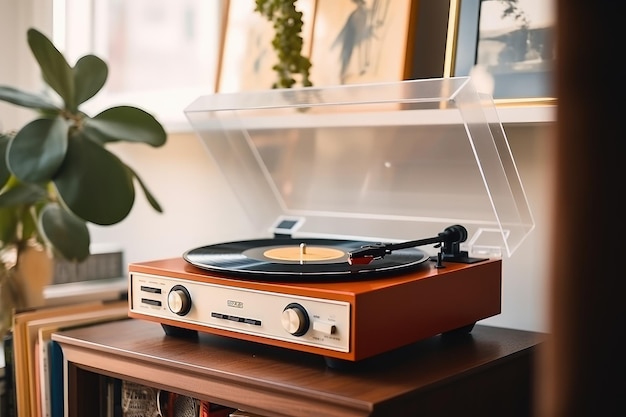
column 525, row 274
column 200, row 209
column 198, row 206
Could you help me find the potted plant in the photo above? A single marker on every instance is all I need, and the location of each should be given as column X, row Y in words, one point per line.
column 56, row 173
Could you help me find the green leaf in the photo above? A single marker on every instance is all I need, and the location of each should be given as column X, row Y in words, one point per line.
column 90, row 74
column 55, row 70
column 125, row 123
column 37, row 151
column 5, row 173
column 8, row 225
column 25, row 99
column 22, row 194
column 68, row 235
column 93, row 183
column 153, row 202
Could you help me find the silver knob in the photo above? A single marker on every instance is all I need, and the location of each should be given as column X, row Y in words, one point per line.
column 179, row 300
column 295, row 319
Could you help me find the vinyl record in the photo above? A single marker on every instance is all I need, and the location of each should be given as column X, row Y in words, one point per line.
column 284, row 259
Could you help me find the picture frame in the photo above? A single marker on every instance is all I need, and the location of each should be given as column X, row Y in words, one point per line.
column 246, row 56
column 362, row 41
column 507, row 45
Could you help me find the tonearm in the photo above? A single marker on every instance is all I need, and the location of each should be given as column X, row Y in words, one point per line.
column 449, row 241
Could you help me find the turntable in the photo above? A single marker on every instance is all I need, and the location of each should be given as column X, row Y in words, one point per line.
column 380, row 216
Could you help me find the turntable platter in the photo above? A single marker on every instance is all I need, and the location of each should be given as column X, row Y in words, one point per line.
column 287, row 258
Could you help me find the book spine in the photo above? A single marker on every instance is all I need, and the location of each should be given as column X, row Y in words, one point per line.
column 9, row 379
column 114, row 397
column 57, row 395
column 117, row 398
column 44, row 381
column 208, row 409
column 205, row 409
column 3, row 400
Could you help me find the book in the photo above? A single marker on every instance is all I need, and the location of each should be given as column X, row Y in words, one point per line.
column 50, row 363
column 37, row 378
column 101, row 276
column 84, row 291
column 9, row 380
column 3, row 388
column 39, row 334
column 56, row 379
column 23, row 353
column 113, row 397
column 41, row 375
column 139, row 400
column 209, row 409
column 3, row 404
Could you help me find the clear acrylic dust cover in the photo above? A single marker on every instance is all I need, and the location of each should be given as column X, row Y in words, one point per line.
column 380, row 162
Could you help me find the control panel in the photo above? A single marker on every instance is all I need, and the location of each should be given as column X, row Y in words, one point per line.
column 304, row 320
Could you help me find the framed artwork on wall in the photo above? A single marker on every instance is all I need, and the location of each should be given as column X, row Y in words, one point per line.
column 362, row 41
column 247, row 55
column 507, row 44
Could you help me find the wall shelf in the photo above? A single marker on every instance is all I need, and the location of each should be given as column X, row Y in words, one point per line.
column 527, row 114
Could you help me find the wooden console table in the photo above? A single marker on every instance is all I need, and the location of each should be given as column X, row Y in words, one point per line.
column 488, row 373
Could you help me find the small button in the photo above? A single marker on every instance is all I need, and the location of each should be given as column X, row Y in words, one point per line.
column 151, row 302
column 150, row 289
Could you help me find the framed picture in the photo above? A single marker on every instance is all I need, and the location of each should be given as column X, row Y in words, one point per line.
column 247, row 55
column 507, row 44
column 362, row 41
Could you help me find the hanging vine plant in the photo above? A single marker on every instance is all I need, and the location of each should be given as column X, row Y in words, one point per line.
column 292, row 67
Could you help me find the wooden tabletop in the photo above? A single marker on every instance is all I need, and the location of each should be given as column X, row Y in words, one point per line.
column 268, row 379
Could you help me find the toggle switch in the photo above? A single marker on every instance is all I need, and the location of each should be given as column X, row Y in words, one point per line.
column 323, row 327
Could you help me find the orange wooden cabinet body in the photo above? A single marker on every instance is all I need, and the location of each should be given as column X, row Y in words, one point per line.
column 385, row 313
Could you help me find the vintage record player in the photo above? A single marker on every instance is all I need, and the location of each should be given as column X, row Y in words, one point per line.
column 381, row 214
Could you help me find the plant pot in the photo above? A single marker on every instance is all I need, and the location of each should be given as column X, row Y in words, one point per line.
column 23, row 279
column 34, row 271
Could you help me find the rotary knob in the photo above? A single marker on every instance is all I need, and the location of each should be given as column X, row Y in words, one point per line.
column 295, row 319
column 179, row 300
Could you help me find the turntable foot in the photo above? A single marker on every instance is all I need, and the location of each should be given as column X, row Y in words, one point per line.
column 179, row 332
column 340, row 364
column 460, row 331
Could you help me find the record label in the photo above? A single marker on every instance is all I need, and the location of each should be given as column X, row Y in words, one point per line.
column 283, row 259
column 304, row 253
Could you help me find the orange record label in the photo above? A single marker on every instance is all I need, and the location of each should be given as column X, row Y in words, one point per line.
column 304, row 253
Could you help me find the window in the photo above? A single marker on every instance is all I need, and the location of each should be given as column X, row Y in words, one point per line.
column 162, row 54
